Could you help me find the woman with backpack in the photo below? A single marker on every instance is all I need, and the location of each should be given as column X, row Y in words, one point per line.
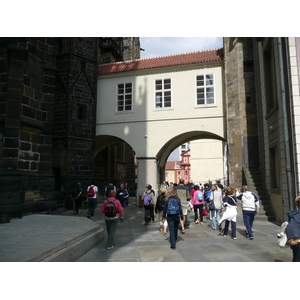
column 173, row 214
column 149, row 201
column 197, row 202
column 159, row 209
column 111, row 208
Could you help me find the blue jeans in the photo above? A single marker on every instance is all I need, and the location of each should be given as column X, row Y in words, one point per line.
column 92, row 206
column 248, row 216
column 215, row 214
column 173, row 223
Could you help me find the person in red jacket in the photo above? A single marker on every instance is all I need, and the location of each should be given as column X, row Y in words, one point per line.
column 111, row 222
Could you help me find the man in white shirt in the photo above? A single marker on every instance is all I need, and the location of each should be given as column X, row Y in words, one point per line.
column 91, row 198
column 250, row 206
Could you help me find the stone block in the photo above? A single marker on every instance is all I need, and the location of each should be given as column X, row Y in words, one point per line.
column 11, row 132
column 28, row 112
column 11, row 142
column 23, row 165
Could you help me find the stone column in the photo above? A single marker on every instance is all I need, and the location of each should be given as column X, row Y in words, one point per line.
column 147, row 173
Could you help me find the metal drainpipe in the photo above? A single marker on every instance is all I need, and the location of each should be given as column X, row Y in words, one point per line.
column 285, row 126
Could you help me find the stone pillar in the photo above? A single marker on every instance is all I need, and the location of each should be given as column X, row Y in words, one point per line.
column 147, row 173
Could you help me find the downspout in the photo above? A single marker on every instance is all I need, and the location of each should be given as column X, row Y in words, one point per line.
column 285, row 126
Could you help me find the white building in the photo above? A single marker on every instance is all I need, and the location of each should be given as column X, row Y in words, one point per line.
column 158, row 104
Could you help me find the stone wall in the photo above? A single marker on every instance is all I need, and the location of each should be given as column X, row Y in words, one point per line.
column 27, row 70
column 47, row 119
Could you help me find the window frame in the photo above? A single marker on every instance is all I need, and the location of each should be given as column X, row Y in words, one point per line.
column 205, row 92
column 124, row 94
column 163, row 91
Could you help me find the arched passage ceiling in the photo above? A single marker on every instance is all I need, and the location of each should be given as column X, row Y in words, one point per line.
column 172, row 144
column 103, row 141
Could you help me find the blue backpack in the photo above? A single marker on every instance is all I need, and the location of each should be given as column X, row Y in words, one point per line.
column 173, row 207
column 199, row 196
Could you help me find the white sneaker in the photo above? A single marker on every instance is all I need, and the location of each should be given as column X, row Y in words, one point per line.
column 109, row 248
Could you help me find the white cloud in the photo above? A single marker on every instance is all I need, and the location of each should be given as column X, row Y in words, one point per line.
column 160, row 46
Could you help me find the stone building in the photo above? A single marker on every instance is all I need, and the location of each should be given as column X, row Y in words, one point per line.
column 262, row 95
column 48, row 124
column 48, row 93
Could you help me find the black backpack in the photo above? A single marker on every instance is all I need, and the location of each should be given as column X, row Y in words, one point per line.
column 160, row 203
column 111, row 209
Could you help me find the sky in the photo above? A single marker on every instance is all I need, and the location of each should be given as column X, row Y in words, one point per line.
column 161, row 46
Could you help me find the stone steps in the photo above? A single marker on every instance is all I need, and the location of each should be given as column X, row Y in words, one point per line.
column 256, row 185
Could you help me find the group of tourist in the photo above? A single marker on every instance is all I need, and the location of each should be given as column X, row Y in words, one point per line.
column 173, row 205
column 213, row 198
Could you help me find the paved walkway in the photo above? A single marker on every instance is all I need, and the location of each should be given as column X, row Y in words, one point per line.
column 41, row 237
column 135, row 242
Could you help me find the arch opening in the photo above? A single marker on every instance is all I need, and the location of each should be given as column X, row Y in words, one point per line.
column 114, row 161
column 205, row 160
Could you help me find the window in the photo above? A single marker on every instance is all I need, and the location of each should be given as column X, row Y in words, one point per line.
column 270, row 79
column 124, row 97
column 205, row 89
column 163, row 93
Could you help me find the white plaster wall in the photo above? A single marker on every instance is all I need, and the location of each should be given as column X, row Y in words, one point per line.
column 159, row 125
column 207, row 162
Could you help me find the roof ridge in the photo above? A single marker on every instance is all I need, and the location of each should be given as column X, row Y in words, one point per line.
column 162, row 56
column 203, row 56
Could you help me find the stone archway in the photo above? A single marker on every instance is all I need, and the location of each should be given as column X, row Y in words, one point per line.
column 115, row 162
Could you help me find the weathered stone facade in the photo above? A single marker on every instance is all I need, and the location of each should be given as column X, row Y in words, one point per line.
column 48, row 90
column 261, row 113
column 241, row 108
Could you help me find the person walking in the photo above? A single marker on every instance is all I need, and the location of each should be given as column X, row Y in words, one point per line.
column 184, row 196
column 148, row 199
column 108, row 188
column 293, row 231
column 77, row 198
column 197, row 203
column 111, row 208
column 159, row 210
column 173, row 214
column 216, row 199
column 230, row 213
column 250, row 206
column 126, row 187
column 164, row 185
column 92, row 195
column 122, row 196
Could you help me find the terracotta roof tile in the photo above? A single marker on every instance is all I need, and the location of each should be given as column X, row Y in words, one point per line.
column 162, row 61
column 171, row 164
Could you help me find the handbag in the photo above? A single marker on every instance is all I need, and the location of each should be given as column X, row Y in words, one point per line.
column 211, row 205
column 204, row 212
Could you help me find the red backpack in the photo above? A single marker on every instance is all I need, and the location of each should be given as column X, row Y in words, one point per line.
column 111, row 209
column 91, row 192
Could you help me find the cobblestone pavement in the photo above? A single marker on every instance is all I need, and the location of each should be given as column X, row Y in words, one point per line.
column 135, row 242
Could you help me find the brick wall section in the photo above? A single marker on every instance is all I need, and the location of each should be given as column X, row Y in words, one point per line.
column 27, row 71
column 75, row 111
column 45, row 84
